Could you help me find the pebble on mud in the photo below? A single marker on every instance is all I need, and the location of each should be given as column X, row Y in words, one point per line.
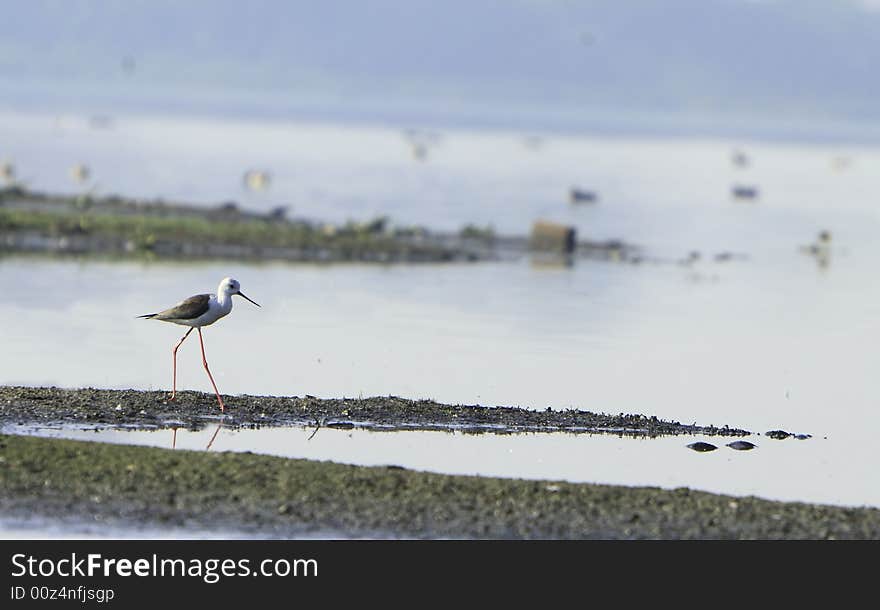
column 782, row 434
column 701, row 446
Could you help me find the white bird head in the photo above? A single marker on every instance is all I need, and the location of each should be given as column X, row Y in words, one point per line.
column 230, row 286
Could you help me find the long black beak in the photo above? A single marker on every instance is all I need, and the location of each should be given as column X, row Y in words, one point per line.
column 241, row 294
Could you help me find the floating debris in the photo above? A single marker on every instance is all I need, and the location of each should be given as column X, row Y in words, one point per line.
column 552, row 237
column 741, row 445
column 702, row 447
column 578, row 196
column 739, row 158
column 744, row 192
column 724, row 257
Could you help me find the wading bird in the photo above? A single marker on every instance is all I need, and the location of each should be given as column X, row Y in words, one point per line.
column 195, row 312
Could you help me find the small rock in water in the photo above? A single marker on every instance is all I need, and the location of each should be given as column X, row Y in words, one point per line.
column 701, row 446
column 741, row 445
column 778, row 434
column 803, row 437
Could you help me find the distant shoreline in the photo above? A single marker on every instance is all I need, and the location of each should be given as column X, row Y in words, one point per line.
column 64, row 225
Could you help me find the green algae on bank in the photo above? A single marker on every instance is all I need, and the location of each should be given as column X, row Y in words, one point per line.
column 86, row 224
column 198, row 238
column 41, row 223
column 151, row 409
column 136, row 487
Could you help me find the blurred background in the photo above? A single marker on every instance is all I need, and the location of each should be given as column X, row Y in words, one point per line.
column 729, row 67
column 708, row 171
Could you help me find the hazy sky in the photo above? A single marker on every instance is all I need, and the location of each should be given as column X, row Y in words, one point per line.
column 807, row 60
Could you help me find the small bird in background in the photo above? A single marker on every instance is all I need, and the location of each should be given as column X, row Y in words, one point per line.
column 7, row 172
column 739, row 158
column 79, row 173
column 198, row 311
column 257, row 180
column 820, row 249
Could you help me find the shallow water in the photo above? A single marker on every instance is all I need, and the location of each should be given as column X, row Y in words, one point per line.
column 37, row 528
column 593, row 458
column 771, row 341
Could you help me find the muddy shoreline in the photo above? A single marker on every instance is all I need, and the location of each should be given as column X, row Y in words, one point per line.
column 151, row 410
column 132, row 487
column 262, row 496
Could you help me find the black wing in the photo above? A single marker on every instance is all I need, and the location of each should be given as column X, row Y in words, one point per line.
column 189, row 309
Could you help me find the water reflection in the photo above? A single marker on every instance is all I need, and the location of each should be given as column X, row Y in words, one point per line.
column 210, row 441
column 781, row 470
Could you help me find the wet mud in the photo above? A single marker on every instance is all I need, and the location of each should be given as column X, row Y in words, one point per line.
column 133, row 487
column 151, row 410
column 265, row 496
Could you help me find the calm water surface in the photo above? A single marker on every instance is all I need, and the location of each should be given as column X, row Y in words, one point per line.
column 770, row 341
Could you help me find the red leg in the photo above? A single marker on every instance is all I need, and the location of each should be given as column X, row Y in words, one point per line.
column 214, row 436
column 174, row 365
column 205, row 362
